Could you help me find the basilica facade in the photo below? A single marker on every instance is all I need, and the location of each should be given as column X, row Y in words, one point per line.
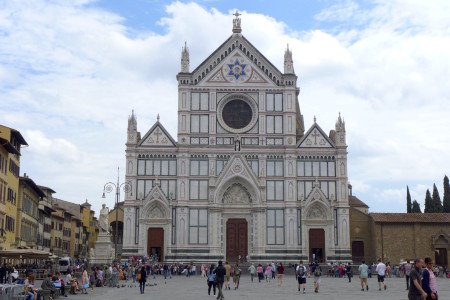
column 243, row 177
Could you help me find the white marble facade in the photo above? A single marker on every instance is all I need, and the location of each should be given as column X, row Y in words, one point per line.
column 241, row 153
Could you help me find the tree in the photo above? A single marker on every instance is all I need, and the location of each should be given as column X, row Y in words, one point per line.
column 436, row 200
column 408, row 200
column 429, row 205
column 446, row 201
column 415, row 207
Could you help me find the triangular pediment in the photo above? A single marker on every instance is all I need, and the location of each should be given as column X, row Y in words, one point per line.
column 157, row 136
column 236, row 61
column 315, row 138
column 316, row 194
column 155, row 205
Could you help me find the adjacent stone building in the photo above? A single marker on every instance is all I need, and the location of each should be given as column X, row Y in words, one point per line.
column 243, row 177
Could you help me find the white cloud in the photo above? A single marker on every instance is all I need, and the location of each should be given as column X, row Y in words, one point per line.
column 73, row 73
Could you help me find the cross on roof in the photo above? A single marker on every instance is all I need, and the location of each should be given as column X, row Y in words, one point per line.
column 236, row 14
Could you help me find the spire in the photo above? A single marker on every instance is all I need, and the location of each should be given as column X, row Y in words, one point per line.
column 315, row 119
column 340, row 124
column 288, row 61
column 237, row 23
column 185, row 59
column 157, row 118
column 132, row 124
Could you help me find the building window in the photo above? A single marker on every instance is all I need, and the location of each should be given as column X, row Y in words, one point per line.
column 199, row 123
column 274, row 124
column 316, row 168
column 136, row 226
column 274, row 102
column 275, row 168
column 220, row 164
column 299, row 226
column 304, row 188
column 12, row 195
column 198, row 226
column 275, row 227
column 144, row 187
column 157, row 167
column 254, row 164
column 174, row 226
column 199, row 168
column 198, row 189
column 14, row 168
column 169, row 187
column 275, row 190
column 10, row 224
column 199, row 101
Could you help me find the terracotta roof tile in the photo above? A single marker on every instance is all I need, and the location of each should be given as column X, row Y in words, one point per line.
column 411, row 217
column 353, row 201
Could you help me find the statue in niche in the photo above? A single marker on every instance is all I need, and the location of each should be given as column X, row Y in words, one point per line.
column 156, row 213
column 316, row 213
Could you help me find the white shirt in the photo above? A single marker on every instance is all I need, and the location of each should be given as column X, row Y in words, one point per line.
column 304, row 269
column 381, row 269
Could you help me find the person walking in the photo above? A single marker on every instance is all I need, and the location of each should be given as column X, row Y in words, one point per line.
column 142, row 279
column 415, row 289
column 227, row 275
column 363, row 270
column 220, row 276
column 407, row 268
column 348, row 271
column 260, row 271
column 429, row 284
column 236, row 276
column 381, row 271
column 317, row 271
column 252, row 271
column 280, row 273
column 84, row 281
column 211, row 280
column 268, row 272
column 301, row 276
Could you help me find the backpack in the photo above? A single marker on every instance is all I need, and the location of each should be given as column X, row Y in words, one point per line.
column 317, row 271
column 139, row 276
column 301, row 271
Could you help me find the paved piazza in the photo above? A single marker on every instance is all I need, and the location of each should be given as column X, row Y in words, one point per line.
column 195, row 287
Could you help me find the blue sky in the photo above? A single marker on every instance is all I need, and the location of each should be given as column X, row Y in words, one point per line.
column 71, row 72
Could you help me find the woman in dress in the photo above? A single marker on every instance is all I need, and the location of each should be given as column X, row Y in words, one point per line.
column 84, row 280
column 429, row 280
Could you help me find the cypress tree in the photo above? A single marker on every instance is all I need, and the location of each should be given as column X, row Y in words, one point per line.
column 446, row 202
column 415, row 207
column 436, row 200
column 429, row 207
column 408, row 200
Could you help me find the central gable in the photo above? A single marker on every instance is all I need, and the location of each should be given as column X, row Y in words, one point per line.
column 236, row 61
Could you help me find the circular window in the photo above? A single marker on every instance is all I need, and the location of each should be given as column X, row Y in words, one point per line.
column 237, row 113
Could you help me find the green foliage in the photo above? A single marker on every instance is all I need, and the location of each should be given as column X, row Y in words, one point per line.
column 415, row 207
column 408, row 200
column 437, row 204
column 446, row 201
column 429, row 207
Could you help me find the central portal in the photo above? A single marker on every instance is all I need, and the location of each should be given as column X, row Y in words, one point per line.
column 237, row 241
column 155, row 243
column 317, row 245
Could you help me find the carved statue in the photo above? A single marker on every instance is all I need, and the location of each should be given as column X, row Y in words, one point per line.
column 103, row 219
column 92, row 252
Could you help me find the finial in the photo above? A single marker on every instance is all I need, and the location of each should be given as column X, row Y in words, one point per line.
column 157, row 118
column 237, row 23
column 315, row 119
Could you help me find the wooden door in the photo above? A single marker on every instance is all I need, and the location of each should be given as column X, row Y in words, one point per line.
column 357, row 251
column 317, row 245
column 155, row 243
column 237, row 241
column 441, row 257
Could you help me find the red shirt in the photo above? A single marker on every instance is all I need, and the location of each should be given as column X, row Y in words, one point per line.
column 280, row 269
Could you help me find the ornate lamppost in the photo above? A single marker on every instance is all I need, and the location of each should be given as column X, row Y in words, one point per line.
column 108, row 188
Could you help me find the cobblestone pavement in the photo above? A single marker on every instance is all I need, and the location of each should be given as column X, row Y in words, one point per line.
column 195, row 287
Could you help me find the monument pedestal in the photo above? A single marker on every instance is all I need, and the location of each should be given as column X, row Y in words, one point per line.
column 104, row 249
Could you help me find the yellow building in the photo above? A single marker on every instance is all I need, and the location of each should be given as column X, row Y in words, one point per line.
column 28, row 212
column 45, row 219
column 91, row 224
column 57, row 231
column 12, row 139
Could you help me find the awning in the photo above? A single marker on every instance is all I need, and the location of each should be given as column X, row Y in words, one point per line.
column 25, row 253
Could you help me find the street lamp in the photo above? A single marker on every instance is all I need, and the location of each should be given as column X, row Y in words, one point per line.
column 108, row 188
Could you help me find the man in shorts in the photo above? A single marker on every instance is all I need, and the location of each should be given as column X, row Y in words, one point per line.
column 381, row 271
column 363, row 274
column 301, row 276
column 227, row 275
column 317, row 271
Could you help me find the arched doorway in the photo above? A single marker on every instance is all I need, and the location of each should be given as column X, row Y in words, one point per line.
column 155, row 243
column 237, row 239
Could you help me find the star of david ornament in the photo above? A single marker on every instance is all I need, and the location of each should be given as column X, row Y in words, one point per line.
column 237, row 69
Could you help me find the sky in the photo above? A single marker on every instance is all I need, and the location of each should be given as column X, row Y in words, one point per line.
column 72, row 71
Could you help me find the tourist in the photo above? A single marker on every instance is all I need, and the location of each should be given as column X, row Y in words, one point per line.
column 280, row 272
column 274, row 269
column 415, row 290
column 317, row 271
column 407, row 267
column 429, row 280
column 142, row 278
column 381, row 271
column 348, row 270
column 268, row 272
column 227, row 275
column 47, row 285
column 84, row 280
column 252, row 271
column 300, row 271
column 211, row 280
column 92, row 280
column 260, row 272
column 165, row 270
column 363, row 274
column 59, row 283
column 220, row 273
column 236, row 276
column 29, row 287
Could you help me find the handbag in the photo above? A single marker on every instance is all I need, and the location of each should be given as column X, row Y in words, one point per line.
column 86, row 285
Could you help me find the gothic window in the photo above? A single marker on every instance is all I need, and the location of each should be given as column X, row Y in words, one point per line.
column 275, row 227
column 316, row 168
column 169, row 187
column 304, row 188
column 275, row 168
column 199, row 168
column 199, row 123
column 220, row 164
column 299, row 226
column 275, row 190
column 274, row 102
column 198, row 226
column 254, row 164
column 199, row 101
column 143, row 188
column 198, row 189
column 164, row 167
column 274, row 124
